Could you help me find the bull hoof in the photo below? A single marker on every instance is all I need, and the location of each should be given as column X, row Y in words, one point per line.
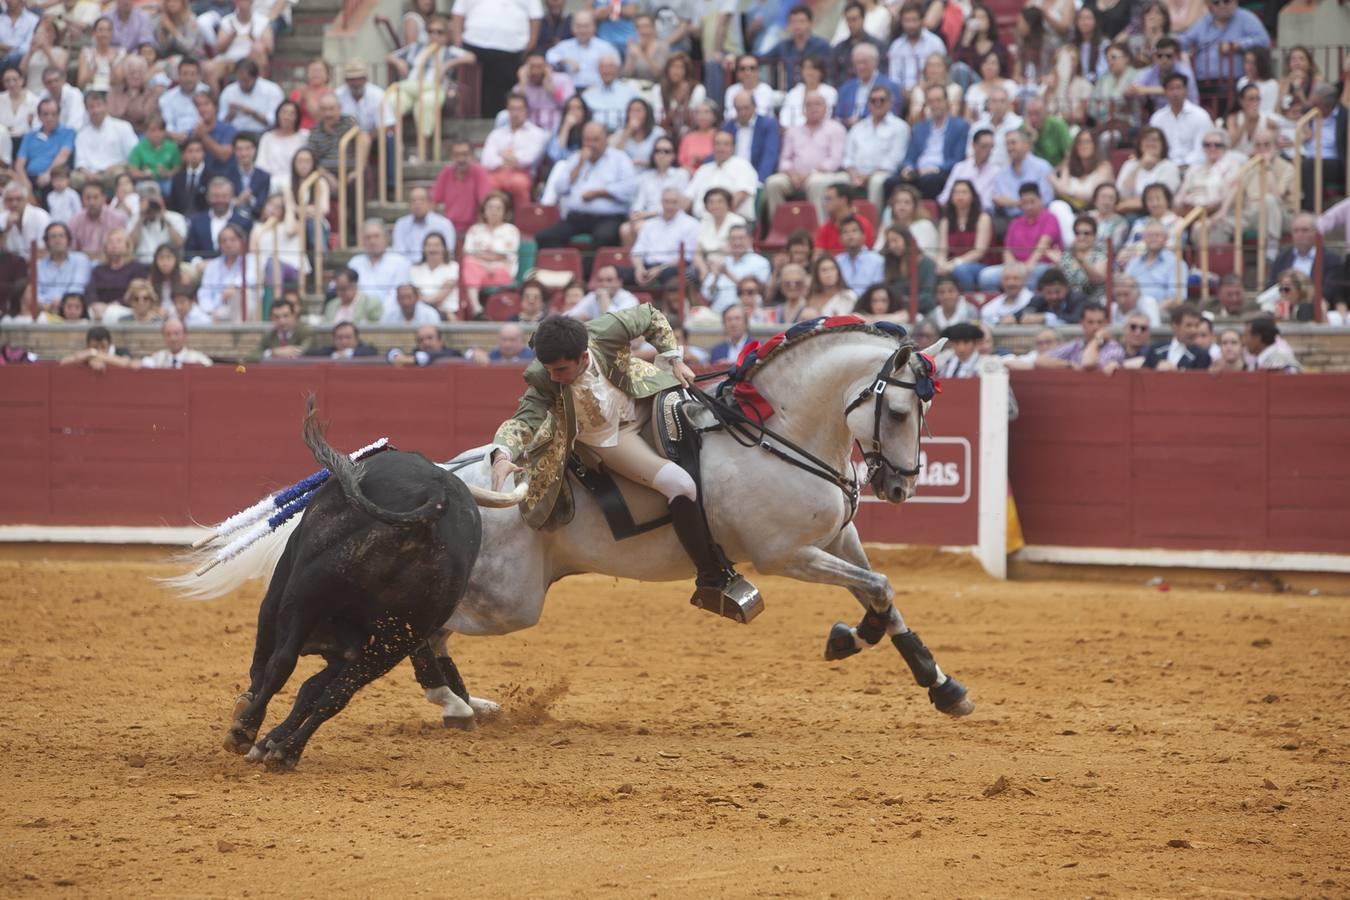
column 237, row 740
column 280, row 761
column 842, row 642
column 241, row 703
column 463, row 723
column 950, row 698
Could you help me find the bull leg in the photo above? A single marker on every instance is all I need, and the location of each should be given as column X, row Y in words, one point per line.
column 265, row 642
column 305, row 700
column 443, row 687
column 294, row 622
column 378, row 656
column 816, row 565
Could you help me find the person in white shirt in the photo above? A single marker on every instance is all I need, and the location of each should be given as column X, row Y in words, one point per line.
column 21, row 223
column 727, row 270
column 153, row 225
column 725, row 170
column 876, row 146
column 747, row 80
column 579, row 56
column 999, row 119
column 1182, row 122
column 380, row 271
column 102, row 146
column 609, row 296
column 909, row 52
column 63, row 201
column 250, row 103
column 68, row 98
column 511, row 153
column 176, row 352
column 408, row 309
column 1003, row 309
column 411, row 230
column 497, row 32
column 662, row 242
column 243, row 34
column 220, row 295
column 357, row 99
column 1129, row 300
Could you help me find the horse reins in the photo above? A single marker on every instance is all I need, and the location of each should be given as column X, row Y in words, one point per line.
column 750, row 432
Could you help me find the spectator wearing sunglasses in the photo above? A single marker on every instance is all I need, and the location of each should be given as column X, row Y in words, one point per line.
column 1148, row 82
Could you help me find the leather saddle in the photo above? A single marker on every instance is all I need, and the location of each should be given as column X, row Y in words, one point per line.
column 675, row 423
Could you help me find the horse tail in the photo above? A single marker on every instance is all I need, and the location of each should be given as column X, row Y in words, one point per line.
column 348, row 475
column 258, row 560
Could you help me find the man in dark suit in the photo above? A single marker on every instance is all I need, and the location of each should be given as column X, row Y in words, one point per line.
column 1335, row 141
column 187, row 188
column 733, row 327
column 937, row 144
column 841, row 54
column 251, row 184
column 1181, row 352
column 1302, row 253
column 764, row 140
column 289, row 335
column 204, row 228
column 346, row 344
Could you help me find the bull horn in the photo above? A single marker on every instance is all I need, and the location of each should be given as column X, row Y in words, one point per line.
column 498, row 499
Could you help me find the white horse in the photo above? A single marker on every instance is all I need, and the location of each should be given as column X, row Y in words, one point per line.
column 828, row 389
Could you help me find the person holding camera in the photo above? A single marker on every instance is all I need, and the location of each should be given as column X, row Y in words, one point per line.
column 155, row 225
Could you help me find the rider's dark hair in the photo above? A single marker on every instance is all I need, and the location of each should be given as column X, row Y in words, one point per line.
column 558, row 338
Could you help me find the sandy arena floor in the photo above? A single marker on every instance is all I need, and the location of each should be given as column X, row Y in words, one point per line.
column 1127, row 742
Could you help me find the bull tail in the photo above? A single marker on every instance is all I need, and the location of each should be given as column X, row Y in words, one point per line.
column 348, row 475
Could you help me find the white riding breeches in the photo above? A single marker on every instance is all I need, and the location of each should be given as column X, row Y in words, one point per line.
column 632, row 458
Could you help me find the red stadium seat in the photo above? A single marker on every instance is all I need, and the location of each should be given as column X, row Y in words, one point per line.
column 787, row 218
column 1118, row 157
column 868, row 210
column 610, row 256
column 500, row 307
column 566, row 259
column 931, row 206
column 533, row 218
column 1221, row 259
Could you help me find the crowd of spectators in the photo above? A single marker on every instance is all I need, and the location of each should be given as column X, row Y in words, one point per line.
column 763, row 165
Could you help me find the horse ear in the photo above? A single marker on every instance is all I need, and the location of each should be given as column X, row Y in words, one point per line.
column 902, row 358
column 936, row 347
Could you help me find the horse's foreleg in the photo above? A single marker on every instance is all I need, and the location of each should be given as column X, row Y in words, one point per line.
column 874, row 590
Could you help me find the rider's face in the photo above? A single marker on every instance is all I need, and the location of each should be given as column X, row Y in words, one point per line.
column 566, row 371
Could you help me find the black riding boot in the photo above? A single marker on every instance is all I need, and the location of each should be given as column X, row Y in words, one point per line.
column 719, row 589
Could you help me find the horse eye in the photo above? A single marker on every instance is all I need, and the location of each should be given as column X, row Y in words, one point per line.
column 897, row 416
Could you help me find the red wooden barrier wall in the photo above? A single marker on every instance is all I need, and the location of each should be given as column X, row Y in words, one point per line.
column 196, row 445
column 1252, row 461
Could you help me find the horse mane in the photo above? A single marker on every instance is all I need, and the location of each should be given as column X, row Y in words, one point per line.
column 780, row 343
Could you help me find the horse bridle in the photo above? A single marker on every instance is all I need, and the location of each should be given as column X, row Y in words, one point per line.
column 875, row 459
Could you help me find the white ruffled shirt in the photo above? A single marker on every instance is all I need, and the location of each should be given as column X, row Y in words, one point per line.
column 600, row 407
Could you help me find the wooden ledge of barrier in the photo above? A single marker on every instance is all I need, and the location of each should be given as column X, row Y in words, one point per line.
column 1201, row 215
column 359, row 183
column 1311, row 114
column 1262, row 226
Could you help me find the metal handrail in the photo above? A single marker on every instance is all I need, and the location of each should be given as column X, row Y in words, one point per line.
column 304, row 196
column 1178, row 231
column 1257, row 161
column 383, row 149
column 1313, row 113
column 360, row 180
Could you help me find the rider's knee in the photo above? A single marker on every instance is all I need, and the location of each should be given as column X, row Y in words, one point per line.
column 672, row 481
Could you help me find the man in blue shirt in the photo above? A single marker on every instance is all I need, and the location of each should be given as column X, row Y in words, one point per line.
column 177, row 105
column 859, row 267
column 1022, row 167
column 1216, row 44
column 62, row 271
column 799, row 44
column 216, row 136
column 596, row 190
column 579, row 56
column 44, row 148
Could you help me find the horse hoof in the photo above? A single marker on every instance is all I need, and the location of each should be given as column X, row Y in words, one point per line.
column 280, row 761
column 241, row 703
column 842, row 642
column 485, row 710
column 255, row 754
column 950, row 698
column 463, row 723
column 237, row 740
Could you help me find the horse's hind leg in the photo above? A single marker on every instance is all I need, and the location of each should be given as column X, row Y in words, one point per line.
column 820, row 566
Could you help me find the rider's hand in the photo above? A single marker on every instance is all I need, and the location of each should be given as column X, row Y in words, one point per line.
column 682, row 373
column 502, row 469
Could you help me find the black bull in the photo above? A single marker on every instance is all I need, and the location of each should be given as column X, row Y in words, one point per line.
column 375, row 567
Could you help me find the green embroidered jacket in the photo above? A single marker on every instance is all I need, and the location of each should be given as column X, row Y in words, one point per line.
column 539, row 436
